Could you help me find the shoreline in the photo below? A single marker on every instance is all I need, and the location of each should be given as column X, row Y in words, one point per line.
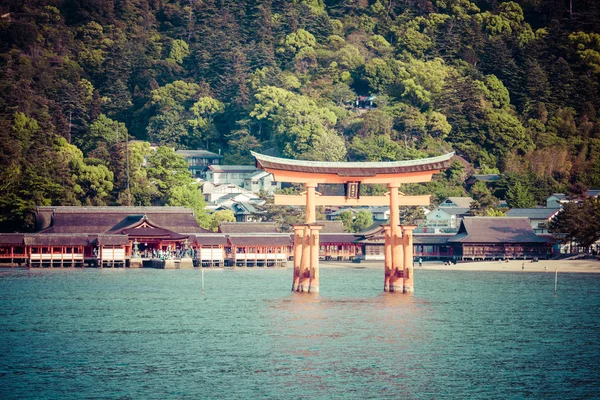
column 574, row 266
column 570, row 266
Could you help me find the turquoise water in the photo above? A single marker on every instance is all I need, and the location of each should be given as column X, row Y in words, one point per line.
column 151, row 334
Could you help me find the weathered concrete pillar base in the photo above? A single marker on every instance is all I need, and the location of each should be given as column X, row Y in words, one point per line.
column 409, row 289
column 186, row 263
column 397, row 287
column 313, row 289
column 302, row 287
column 135, row 263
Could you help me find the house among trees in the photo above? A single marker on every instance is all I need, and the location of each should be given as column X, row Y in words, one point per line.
column 488, row 179
column 212, row 193
column 560, row 199
column 446, row 217
column 261, row 181
column 245, row 176
column 230, row 174
column 539, row 218
column 199, row 160
column 365, row 102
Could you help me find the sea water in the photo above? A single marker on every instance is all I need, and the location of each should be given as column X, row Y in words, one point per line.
column 152, row 334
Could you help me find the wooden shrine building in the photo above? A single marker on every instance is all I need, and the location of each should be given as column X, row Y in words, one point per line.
column 491, row 238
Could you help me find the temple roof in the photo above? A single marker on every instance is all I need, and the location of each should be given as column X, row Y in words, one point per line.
column 355, row 169
column 260, row 240
column 97, row 220
column 496, row 230
column 248, row 227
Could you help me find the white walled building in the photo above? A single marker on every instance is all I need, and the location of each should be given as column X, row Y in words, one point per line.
column 245, row 176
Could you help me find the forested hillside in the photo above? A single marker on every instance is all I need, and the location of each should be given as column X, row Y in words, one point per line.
column 512, row 87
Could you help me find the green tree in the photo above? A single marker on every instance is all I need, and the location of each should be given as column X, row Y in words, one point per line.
column 518, row 196
column 167, row 170
column 189, row 195
column 347, row 219
column 363, row 220
column 483, row 200
column 220, row 216
column 578, row 222
column 301, row 128
column 103, row 130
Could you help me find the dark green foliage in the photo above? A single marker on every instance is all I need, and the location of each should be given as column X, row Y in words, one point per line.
column 510, row 86
column 578, row 222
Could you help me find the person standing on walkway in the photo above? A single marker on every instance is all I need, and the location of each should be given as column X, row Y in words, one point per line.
column 420, row 262
column 523, row 266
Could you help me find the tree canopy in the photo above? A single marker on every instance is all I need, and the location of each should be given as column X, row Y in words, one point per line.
column 511, row 86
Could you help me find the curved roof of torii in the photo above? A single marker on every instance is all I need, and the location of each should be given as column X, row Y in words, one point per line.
column 354, row 169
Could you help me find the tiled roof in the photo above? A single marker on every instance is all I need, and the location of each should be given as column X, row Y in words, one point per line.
column 593, row 193
column 354, row 168
column 248, row 227
column 212, row 239
column 485, row 177
column 453, row 210
column 233, row 168
column 260, row 240
column 463, row 202
column 559, row 196
column 112, row 240
column 197, row 153
column 259, row 174
column 95, row 220
column 533, row 213
column 153, row 232
column 331, row 226
column 431, row 239
column 40, row 239
column 337, row 238
column 496, row 230
column 11, row 238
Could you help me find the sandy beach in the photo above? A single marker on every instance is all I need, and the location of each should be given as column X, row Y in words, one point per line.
column 575, row 266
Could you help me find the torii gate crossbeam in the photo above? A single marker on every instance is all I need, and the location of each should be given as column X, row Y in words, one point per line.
column 398, row 239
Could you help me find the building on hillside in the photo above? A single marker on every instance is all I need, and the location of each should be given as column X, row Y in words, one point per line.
column 461, row 202
column 491, row 238
column 261, row 181
column 213, row 193
column 199, row 160
column 365, row 102
column 557, row 200
column 538, row 217
column 335, row 214
column 379, row 213
column 246, row 212
column 230, row 174
column 229, row 200
column 489, row 179
column 443, row 220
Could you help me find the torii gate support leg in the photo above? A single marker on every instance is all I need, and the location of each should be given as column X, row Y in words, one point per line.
column 388, row 258
column 396, row 277
column 408, row 259
column 298, row 242
column 314, row 259
column 304, row 273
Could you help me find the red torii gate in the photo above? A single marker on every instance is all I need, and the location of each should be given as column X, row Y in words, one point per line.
column 398, row 238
